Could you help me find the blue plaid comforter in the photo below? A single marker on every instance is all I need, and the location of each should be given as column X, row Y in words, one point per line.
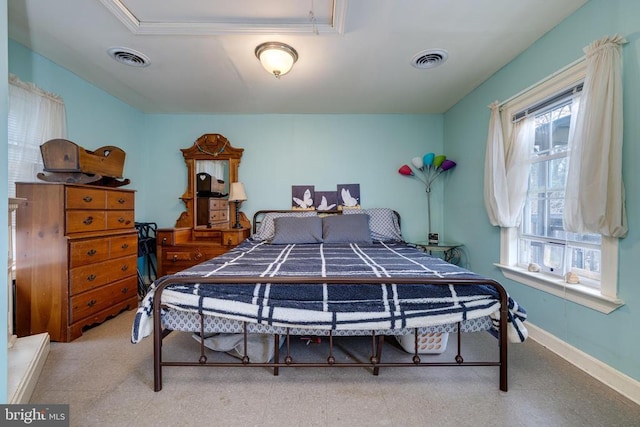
column 327, row 306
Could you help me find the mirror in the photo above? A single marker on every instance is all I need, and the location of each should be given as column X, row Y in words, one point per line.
column 212, row 165
column 212, row 188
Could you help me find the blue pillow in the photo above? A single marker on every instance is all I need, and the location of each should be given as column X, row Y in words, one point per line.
column 346, row 229
column 267, row 225
column 297, row 230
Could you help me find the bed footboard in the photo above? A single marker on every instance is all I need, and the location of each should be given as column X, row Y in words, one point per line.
column 375, row 361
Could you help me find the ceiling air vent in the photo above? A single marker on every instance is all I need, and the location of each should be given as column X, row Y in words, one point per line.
column 129, row 57
column 429, row 58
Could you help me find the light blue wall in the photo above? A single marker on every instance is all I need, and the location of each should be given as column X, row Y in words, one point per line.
column 284, row 150
column 611, row 338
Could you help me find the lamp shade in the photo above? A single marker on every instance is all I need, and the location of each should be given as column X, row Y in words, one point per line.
column 447, row 164
column 277, row 58
column 236, row 192
column 437, row 161
column 417, row 162
column 405, row 170
column 427, row 159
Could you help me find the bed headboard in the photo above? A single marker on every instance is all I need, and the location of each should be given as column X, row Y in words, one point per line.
column 257, row 217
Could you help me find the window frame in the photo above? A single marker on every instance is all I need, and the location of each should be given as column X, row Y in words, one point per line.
column 586, row 293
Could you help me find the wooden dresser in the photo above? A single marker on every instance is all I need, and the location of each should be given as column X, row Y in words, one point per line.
column 206, row 228
column 178, row 248
column 77, row 250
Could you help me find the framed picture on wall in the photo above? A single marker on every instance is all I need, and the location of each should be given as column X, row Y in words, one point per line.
column 348, row 196
column 326, row 200
column 302, row 197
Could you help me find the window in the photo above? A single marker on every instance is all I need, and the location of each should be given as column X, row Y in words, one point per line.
column 34, row 117
column 542, row 238
column 541, row 241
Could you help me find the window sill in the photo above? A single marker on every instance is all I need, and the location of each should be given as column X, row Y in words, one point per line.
column 578, row 294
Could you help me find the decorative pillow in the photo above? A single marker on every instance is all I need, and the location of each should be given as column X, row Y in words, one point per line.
column 346, row 229
column 267, row 227
column 383, row 223
column 297, row 230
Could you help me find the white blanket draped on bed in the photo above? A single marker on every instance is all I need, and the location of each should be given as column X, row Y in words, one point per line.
column 336, row 307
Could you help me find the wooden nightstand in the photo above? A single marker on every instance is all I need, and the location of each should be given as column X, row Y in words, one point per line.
column 450, row 250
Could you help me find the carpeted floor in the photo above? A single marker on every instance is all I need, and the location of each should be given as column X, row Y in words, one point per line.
column 107, row 381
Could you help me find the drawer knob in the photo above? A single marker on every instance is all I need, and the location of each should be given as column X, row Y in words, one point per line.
column 164, row 240
column 125, row 267
column 175, row 258
column 198, row 255
column 125, row 290
column 92, row 303
column 92, row 252
column 88, row 220
column 229, row 242
column 121, row 220
column 88, row 199
column 121, row 201
column 125, row 246
column 91, row 277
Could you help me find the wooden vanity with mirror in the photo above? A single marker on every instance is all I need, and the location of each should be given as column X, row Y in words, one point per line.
column 206, row 228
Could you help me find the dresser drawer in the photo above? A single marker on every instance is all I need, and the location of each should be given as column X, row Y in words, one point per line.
column 94, row 275
column 218, row 216
column 218, row 204
column 177, row 259
column 84, row 220
column 85, row 252
column 123, row 245
column 120, row 200
column 88, row 303
column 90, row 251
column 85, row 198
column 182, row 255
column 234, row 237
column 120, row 219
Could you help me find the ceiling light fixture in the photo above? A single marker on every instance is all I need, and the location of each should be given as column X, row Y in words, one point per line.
column 277, row 58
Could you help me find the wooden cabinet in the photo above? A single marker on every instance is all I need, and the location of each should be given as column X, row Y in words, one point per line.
column 77, row 251
column 177, row 249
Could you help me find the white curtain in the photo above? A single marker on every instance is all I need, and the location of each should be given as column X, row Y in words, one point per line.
column 506, row 171
column 35, row 117
column 594, row 198
column 495, row 174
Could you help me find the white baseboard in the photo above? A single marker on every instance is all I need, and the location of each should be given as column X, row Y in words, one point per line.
column 604, row 373
column 25, row 361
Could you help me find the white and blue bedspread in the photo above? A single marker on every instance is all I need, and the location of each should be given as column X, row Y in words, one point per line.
column 333, row 306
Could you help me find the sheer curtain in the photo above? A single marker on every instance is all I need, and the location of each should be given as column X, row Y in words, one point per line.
column 495, row 173
column 506, row 171
column 594, row 200
column 35, row 117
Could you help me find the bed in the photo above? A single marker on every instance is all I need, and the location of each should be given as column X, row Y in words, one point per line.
column 348, row 273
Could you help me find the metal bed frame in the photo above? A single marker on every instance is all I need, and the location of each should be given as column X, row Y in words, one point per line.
column 375, row 360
